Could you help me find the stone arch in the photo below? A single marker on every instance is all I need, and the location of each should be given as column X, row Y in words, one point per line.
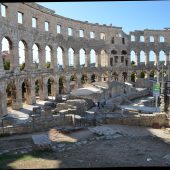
column 104, row 58
column 60, row 57
column 51, row 87
column 115, row 76
column 7, row 52
column 113, row 52
column 124, row 76
column 133, row 76
column 152, row 57
column 73, row 81
column 133, row 58
column 84, row 78
column 143, row 74
column 123, row 52
column 23, row 56
column 48, row 56
column 82, row 56
column 142, row 57
column 152, row 74
column 71, row 59
column 61, row 82
column 162, row 57
column 11, row 93
column 92, row 58
column 93, row 78
column 36, row 53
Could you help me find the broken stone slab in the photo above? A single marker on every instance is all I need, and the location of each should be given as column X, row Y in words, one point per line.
column 41, row 141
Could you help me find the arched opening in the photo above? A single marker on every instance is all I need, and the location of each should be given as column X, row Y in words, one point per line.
column 133, row 77
column 93, row 78
column 152, row 57
column 113, row 52
column 152, row 74
column 115, row 76
column 50, row 86
column 37, row 89
column 35, row 52
column 92, row 58
column 73, row 83
column 123, row 52
column 113, row 40
column 133, row 58
column 23, row 92
column 48, row 56
column 82, row 55
column 10, row 94
column 104, row 59
column 60, row 58
column 84, row 78
column 124, row 75
column 61, row 85
column 162, row 56
column 22, row 54
column 142, row 57
column 6, row 53
column 142, row 74
column 71, row 57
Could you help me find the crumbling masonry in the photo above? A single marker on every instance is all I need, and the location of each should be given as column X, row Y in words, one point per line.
column 110, row 45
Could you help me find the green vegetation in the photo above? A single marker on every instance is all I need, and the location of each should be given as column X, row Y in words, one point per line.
column 133, row 77
column 142, row 74
column 132, row 63
column 22, row 66
column 48, row 64
column 6, row 65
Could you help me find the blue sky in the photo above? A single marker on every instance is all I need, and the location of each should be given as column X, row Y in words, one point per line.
column 130, row 15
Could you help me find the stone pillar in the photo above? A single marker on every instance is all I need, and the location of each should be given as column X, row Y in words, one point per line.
column 87, row 59
column 98, row 63
column 1, row 61
column 55, row 88
column 28, row 58
column 166, row 58
column 146, row 59
column 67, row 84
column 76, row 60
column 17, row 102
column 3, row 105
column 15, row 57
column 128, row 76
column 65, row 60
column 79, row 80
column 156, row 58
column 30, row 94
column 42, row 57
column 54, row 62
column 137, row 55
column 43, row 91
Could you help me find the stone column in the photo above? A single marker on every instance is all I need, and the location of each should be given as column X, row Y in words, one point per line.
column 54, row 62
column 28, row 58
column 146, row 59
column 17, row 102
column 87, row 59
column 156, row 58
column 15, row 57
column 3, row 105
column 30, row 94
column 98, row 63
column 55, row 88
column 65, row 59
column 137, row 55
column 42, row 57
column 1, row 61
column 166, row 58
column 128, row 76
column 76, row 60
column 67, row 84
column 43, row 91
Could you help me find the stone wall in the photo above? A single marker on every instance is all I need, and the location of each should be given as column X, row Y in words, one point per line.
column 147, row 120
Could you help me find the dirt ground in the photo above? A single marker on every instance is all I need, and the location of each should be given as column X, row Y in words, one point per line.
column 138, row 146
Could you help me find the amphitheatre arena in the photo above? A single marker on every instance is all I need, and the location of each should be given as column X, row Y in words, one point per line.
column 67, row 76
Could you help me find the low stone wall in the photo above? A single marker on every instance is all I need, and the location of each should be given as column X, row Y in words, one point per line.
column 37, row 125
column 147, row 120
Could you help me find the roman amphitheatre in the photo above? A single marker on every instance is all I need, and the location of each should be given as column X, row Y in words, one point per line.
column 71, row 95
